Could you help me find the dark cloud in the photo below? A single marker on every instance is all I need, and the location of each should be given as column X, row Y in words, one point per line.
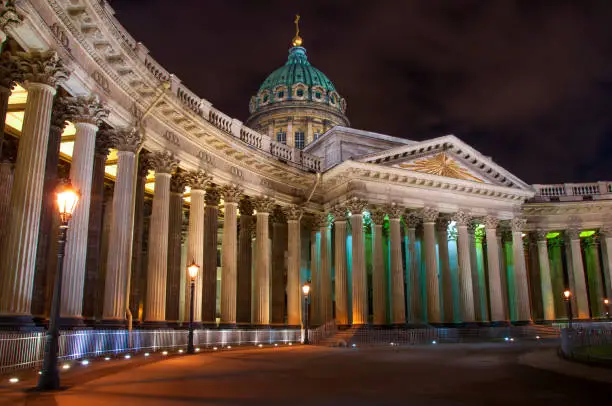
column 528, row 83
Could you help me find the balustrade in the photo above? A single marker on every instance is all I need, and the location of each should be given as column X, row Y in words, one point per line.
column 573, row 191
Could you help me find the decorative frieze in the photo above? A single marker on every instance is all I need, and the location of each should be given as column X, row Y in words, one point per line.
column 101, row 81
column 172, row 137
column 42, row 67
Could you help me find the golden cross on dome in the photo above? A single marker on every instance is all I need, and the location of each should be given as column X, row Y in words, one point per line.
column 297, row 40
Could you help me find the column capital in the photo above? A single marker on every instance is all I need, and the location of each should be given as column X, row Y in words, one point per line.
column 278, row 215
column 9, row 17
column 394, row 211
column 540, row 234
column 145, row 164
column 212, row 196
column 43, row 67
column 87, row 109
column 231, row 193
column 606, row 230
column 127, row 139
column 491, row 222
column 198, row 180
column 245, row 205
column 377, row 214
column 411, row 219
column 321, row 220
column 178, row 183
column 429, row 214
column 442, row 223
column 356, row 206
column 264, row 204
column 462, row 218
column 339, row 213
column 573, row 232
column 163, row 161
column 518, row 224
column 293, row 212
column 104, row 141
column 59, row 114
column 10, row 70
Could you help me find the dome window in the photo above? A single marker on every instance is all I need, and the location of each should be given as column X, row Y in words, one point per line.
column 280, row 94
column 333, row 99
column 281, row 137
column 299, row 140
column 299, row 93
column 318, row 95
column 265, row 99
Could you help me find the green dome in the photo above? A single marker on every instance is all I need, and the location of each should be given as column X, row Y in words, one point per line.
column 297, row 82
column 297, row 70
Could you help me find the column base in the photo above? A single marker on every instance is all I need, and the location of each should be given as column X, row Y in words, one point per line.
column 112, row 324
column 228, row 326
column 19, row 323
column 72, row 323
column 154, row 325
column 521, row 323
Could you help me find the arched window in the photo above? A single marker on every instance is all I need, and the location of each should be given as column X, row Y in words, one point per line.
column 281, row 137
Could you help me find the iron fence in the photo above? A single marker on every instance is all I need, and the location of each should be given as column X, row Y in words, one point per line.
column 580, row 341
column 25, row 350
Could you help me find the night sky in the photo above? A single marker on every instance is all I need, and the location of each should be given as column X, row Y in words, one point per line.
column 528, row 83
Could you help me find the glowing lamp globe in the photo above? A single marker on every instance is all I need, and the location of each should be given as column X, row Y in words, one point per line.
column 193, row 270
column 606, row 302
column 67, row 199
column 567, row 294
column 306, row 289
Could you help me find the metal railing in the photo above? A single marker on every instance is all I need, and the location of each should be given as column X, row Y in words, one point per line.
column 579, row 341
column 26, row 350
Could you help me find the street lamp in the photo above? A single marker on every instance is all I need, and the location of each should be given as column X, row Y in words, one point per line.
column 306, row 291
column 566, row 297
column 67, row 199
column 193, row 270
column 607, row 304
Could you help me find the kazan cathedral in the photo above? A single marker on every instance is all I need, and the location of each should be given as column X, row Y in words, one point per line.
column 387, row 230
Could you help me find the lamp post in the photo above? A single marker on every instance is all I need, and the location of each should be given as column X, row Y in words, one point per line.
column 607, row 304
column 306, row 291
column 67, row 199
column 193, row 270
column 566, row 297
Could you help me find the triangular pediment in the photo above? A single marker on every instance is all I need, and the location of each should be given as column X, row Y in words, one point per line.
column 447, row 157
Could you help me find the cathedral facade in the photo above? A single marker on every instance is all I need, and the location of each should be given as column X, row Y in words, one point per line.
column 388, row 231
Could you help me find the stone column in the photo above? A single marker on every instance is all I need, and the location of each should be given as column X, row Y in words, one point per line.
column 10, row 74
column 209, row 269
column 294, row 290
column 326, row 303
column 504, row 237
column 358, row 269
column 548, row 299
column 481, row 302
column 340, row 265
column 43, row 71
column 178, row 182
column 579, row 293
column 398, row 306
column 138, row 277
column 495, row 287
column 379, row 279
column 7, row 170
column 93, row 259
column 413, row 272
column 261, row 281
column 49, row 218
column 445, row 272
column 85, row 112
column 279, row 247
column 466, row 292
column 245, row 263
column 195, row 241
column 127, row 141
column 430, row 215
column 229, row 255
column 155, row 306
column 314, row 271
column 606, row 250
column 523, row 304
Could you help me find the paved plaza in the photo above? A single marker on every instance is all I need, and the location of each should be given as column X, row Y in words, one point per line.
column 477, row 374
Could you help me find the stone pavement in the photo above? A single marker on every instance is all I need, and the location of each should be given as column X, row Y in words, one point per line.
column 454, row 374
